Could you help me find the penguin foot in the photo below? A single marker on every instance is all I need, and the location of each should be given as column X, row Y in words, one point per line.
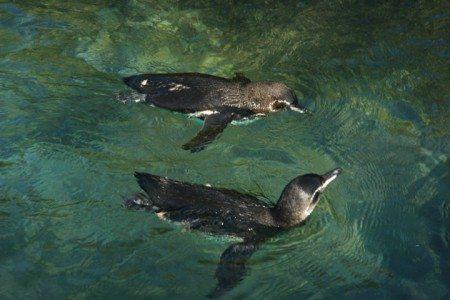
column 138, row 201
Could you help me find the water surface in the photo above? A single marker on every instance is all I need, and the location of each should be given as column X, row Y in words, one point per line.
column 375, row 75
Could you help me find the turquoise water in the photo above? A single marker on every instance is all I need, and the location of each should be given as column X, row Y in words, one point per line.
column 375, row 75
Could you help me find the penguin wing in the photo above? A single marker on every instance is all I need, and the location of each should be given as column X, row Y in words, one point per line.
column 232, row 266
column 172, row 194
column 205, row 208
column 213, row 125
column 183, row 92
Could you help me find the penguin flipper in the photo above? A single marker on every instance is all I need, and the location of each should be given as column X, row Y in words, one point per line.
column 213, row 125
column 232, row 266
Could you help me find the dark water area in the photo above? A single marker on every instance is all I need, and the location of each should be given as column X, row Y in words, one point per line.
column 374, row 73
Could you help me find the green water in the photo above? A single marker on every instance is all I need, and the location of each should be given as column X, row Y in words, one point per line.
column 375, row 75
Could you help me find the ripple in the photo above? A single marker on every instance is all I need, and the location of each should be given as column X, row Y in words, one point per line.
column 68, row 149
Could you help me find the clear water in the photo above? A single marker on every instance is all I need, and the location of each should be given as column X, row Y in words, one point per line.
column 375, row 75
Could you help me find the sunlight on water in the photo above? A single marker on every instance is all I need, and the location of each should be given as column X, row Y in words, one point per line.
column 374, row 75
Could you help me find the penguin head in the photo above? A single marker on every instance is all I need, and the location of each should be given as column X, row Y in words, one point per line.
column 300, row 197
column 278, row 96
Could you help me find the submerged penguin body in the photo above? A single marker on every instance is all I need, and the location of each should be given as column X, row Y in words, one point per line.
column 218, row 100
column 223, row 211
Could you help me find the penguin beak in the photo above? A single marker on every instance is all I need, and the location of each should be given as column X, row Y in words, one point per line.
column 298, row 108
column 329, row 177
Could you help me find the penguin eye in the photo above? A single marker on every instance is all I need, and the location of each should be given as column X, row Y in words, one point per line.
column 277, row 105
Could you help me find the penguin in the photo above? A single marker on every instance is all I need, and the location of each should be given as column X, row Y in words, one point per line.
column 216, row 100
column 222, row 211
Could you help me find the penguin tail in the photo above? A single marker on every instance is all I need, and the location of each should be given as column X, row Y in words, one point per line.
column 148, row 182
column 133, row 82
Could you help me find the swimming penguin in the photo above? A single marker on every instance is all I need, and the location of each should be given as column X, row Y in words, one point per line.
column 224, row 211
column 216, row 100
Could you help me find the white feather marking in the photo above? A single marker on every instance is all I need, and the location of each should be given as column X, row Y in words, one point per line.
column 293, row 108
column 203, row 113
column 137, row 100
column 178, row 87
column 327, row 182
column 144, row 82
column 161, row 215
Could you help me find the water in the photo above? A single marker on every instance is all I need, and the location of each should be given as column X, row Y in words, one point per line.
column 375, row 75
